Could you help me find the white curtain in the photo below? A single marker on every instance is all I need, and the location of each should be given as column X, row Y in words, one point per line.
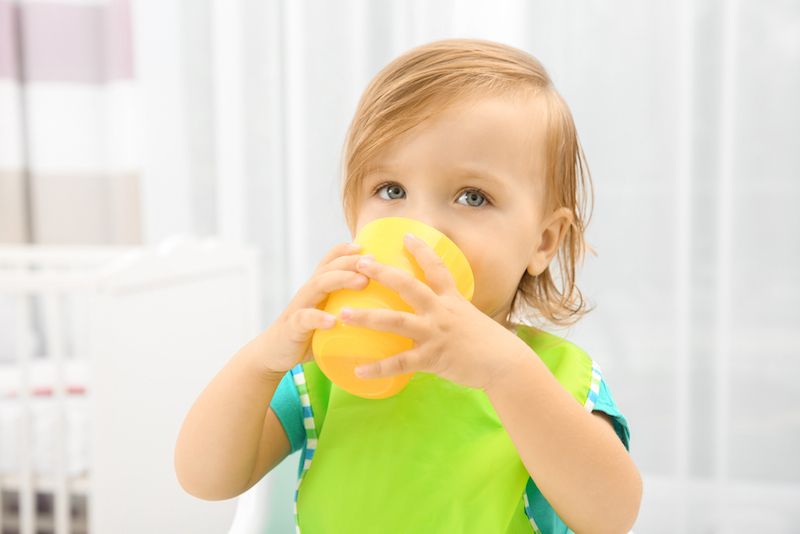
column 68, row 156
column 689, row 117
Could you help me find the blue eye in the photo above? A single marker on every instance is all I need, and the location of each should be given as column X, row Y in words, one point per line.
column 471, row 194
column 394, row 187
column 394, row 192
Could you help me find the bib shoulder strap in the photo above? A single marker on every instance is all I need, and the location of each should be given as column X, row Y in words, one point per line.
column 572, row 367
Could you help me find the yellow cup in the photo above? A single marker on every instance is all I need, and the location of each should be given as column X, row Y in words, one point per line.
column 340, row 349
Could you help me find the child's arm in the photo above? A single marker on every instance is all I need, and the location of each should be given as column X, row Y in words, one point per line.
column 576, row 459
column 230, row 437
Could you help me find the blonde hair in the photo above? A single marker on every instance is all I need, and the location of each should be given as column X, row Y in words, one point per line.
column 424, row 80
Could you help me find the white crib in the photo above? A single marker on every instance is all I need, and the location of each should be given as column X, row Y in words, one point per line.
column 102, row 352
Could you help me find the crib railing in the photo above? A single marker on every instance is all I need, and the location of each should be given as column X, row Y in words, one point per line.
column 35, row 281
column 55, row 303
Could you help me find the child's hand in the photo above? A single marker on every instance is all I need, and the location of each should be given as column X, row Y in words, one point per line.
column 290, row 335
column 452, row 338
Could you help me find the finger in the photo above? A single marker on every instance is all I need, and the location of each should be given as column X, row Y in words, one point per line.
column 437, row 275
column 401, row 363
column 305, row 320
column 330, row 281
column 395, row 321
column 339, row 250
column 342, row 263
column 317, row 288
column 414, row 292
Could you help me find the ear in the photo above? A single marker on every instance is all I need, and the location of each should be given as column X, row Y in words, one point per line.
column 554, row 228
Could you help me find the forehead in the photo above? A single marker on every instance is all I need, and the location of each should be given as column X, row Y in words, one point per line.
column 497, row 139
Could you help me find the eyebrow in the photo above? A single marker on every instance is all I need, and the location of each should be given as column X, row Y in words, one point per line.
column 459, row 170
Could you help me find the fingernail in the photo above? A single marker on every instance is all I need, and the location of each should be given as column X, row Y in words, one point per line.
column 410, row 237
column 366, row 261
column 329, row 319
column 345, row 313
column 362, row 371
column 355, row 246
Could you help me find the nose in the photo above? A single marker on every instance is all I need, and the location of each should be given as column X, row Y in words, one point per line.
column 434, row 220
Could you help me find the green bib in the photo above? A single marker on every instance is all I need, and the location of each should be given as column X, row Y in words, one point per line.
column 432, row 458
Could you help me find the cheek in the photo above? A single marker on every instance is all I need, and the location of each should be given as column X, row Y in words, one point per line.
column 485, row 282
column 362, row 217
column 479, row 265
column 478, row 247
column 361, row 213
column 491, row 274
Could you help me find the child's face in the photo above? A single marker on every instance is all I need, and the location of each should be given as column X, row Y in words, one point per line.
column 432, row 173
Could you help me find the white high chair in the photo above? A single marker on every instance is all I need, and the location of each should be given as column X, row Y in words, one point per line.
column 269, row 505
column 251, row 510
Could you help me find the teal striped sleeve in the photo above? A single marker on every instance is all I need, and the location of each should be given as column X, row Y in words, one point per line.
column 605, row 403
column 543, row 514
column 286, row 405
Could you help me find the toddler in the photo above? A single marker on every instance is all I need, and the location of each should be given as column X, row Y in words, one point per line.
column 504, row 427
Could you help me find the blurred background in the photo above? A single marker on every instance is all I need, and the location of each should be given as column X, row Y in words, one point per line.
column 169, row 177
